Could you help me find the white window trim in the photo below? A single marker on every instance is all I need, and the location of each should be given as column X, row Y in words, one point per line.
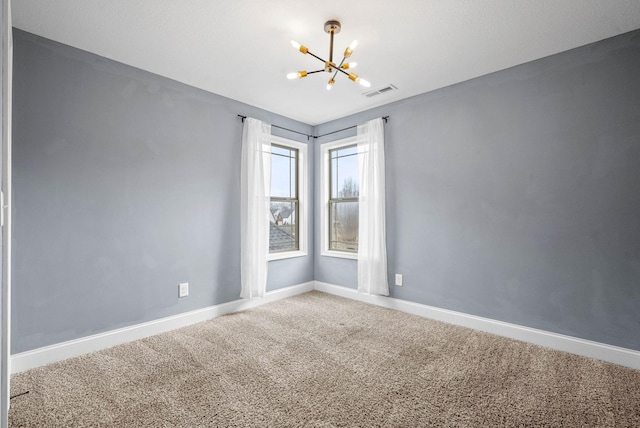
column 325, row 192
column 303, row 214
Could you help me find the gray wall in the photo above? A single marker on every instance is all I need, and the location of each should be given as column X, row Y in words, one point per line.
column 125, row 184
column 516, row 196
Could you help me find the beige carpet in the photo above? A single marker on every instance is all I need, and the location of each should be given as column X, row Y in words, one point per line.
column 321, row 361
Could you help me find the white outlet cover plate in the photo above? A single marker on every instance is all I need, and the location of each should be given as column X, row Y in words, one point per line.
column 183, row 289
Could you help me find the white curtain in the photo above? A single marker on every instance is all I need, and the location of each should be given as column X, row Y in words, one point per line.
column 372, row 242
column 254, row 215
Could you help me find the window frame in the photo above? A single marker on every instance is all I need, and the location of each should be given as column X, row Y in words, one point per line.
column 302, row 190
column 325, row 180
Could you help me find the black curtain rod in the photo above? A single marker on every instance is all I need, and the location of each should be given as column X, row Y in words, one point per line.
column 280, row 127
column 385, row 118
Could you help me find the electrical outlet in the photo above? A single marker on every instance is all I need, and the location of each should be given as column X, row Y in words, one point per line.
column 399, row 279
column 183, row 289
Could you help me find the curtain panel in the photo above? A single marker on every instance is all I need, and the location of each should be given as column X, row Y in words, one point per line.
column 372, row 242
column 254, row 213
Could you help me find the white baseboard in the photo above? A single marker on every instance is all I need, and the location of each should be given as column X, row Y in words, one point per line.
column 587, row 348
column 49, row 354
column 60, row 351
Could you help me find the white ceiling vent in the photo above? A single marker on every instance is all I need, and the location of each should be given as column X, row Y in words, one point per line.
column 380, row 91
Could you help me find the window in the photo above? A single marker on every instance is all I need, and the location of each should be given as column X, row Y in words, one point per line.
column 340, row 190
column 287, row 221
column 343, row 199
column 283, row 230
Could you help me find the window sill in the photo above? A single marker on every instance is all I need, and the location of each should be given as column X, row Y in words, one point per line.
column 288, row 255
column 340, row 254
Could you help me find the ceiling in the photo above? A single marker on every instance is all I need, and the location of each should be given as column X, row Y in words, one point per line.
column 240, row 48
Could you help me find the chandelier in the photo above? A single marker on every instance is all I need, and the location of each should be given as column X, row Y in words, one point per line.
column 331, row 27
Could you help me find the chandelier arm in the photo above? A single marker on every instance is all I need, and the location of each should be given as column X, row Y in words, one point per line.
column 315, row 71
column 316, row 56
column 339, row 68
column 342, row 71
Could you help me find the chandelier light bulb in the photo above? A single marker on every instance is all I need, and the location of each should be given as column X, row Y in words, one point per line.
column 297, row 75
column 349, row 65
column 299, row 47
column 330, row 84
column 364, row 83
column 349, row 50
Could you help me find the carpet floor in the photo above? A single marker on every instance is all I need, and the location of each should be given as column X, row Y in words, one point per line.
column 317, row 360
